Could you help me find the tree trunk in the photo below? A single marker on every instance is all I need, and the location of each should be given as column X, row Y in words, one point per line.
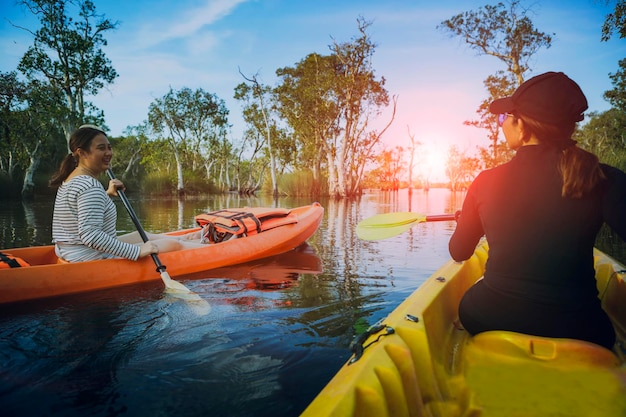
column 180, row 188
column 333, row 183
column 28, row 188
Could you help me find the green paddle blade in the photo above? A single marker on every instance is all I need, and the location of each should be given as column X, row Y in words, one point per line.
column 386, row 225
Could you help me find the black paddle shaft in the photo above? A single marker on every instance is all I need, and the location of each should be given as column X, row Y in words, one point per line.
column 159, row 266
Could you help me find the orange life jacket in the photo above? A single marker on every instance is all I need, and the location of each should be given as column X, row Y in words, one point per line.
column 221, row 225
column 9, row 261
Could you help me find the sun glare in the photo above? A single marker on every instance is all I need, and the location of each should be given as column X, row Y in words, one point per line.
column 431, row 162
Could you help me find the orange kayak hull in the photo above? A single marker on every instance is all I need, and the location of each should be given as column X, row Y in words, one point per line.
column 48, row 278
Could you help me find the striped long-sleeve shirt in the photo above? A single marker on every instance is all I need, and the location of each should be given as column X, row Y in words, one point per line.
column 83, row 225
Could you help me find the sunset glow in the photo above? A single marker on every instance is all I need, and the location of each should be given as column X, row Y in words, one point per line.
column 433, row 157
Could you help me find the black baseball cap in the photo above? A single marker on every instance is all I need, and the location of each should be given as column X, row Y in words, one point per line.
column 551, row 98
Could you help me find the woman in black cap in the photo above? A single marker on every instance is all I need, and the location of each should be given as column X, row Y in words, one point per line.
column 540, row 213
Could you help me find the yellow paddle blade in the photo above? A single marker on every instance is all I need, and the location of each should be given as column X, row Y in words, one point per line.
column 386, row 225
column 383, row 226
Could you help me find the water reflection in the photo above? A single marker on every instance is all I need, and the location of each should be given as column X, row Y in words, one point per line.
column 249, row 286
column 25, row 223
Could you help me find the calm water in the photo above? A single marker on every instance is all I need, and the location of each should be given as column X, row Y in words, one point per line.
column 277, row 332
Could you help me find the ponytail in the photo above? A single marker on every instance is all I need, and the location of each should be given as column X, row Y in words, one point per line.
column 80, row 139
column 580, row 170
column 66, row 168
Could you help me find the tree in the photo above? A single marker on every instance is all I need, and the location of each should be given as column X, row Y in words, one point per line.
column 499, row 85
column 329, row 102
column 250, row 171
column 460, row 168
column 412, row 148
column 304, row 99
column 128, row 151
column 28, row 130
column 605, row 135
column 615, row 21
column 360, row 98
column 40, row 130
column 617, row 95
column 507, row 33
column 223, row 152
column 189, row 120
column 257, row 113
column 12, row 101
column 390, row 166
column 67, row 53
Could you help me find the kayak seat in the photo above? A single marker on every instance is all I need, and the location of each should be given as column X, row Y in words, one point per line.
column 513, row 374
column 511, row 346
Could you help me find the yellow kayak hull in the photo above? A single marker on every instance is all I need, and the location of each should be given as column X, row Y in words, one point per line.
column 429, row 366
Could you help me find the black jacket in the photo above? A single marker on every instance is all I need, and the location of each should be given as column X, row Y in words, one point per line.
column 540, row 244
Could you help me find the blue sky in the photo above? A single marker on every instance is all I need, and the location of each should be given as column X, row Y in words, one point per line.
column 438, row 79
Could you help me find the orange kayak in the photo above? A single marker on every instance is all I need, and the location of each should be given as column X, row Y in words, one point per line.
column 46, row 277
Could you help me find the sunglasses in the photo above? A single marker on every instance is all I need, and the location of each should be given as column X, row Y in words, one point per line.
column 502, row 117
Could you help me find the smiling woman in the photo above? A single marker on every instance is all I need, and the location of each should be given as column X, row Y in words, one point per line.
column 84, row 219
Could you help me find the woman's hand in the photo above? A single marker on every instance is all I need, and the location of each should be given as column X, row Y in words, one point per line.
column 115, row 185
column 148, row 248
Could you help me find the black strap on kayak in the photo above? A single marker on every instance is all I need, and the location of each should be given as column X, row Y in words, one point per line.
column 9, row 261
column 357, row 348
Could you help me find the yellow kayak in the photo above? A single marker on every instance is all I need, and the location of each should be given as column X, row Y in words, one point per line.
column 419, row 362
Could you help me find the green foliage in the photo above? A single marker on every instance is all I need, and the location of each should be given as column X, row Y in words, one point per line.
column 605, row 135
column 30, row 138
column 506, row 33
column 499, row 85
column 196, row 182
column 460, row 169
column 67, row 53
column 327, row 102
column 617, row 95
column 306, row 102
column 268, row 139
column 191, row 122
column 495, row 154
column 12, row 104
column 390, row 167
column 615, row 21
column 10, row 188
column 158, row 183
column 127, row 152
column 302, row 183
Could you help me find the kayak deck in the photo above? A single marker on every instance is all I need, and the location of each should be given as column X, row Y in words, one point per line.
column 429, row 366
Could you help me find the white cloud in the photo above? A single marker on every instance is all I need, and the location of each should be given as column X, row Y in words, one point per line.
column 188, row 23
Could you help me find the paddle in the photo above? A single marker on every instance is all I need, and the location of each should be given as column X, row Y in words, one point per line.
column 386, row 225
column 170, row 285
